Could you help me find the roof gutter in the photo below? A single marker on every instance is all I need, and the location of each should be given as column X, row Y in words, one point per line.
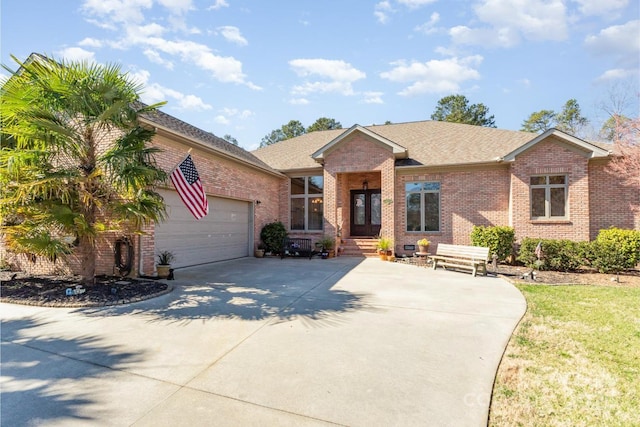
column 499, row 161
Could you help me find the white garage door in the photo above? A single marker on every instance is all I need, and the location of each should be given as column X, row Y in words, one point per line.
column 223, row 234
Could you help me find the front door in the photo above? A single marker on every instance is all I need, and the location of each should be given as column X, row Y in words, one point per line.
column 366, row 212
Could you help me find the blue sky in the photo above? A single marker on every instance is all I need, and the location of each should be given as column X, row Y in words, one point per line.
column 246, row 67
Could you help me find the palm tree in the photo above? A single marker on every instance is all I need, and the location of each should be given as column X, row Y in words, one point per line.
column 75, row 161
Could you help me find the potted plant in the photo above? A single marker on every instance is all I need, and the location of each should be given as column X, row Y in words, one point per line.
column 259, row 252
column 423, row 245
column 327, row 243
column 164, row 264
column 384, row 247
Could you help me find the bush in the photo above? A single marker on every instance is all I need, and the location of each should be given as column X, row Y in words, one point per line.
column 498, row 239
column 557, row 255
column 615, row 250
column 272, row 235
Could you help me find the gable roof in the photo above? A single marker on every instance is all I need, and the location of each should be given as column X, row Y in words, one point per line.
column 176, row 126
column 590, row 150
column 398, row 150
column 427, row 143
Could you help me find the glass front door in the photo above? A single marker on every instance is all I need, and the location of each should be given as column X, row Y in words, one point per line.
column 366, row 213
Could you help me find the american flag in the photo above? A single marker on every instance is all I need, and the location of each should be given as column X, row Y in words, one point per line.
column 187, row 181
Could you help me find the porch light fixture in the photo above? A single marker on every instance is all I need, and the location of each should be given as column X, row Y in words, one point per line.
column 365, row 185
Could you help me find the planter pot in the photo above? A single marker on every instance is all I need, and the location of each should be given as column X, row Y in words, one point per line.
column 259, row 253
column 423, row 249
column 163, row 270
column 383, row 255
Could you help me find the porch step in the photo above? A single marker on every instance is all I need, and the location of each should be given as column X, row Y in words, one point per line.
column 359, row 247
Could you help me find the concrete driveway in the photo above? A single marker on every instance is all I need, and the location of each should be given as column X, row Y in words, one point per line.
column 345, row 341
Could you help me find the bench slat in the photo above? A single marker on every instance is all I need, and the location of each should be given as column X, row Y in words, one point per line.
column 461, row 256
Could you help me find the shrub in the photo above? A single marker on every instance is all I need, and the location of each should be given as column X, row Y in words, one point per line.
column 272, row 235
column 557, row 255
column 498, row 239
column 615, row 249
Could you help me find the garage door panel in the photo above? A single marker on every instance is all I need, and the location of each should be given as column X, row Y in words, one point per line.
column 222, row 234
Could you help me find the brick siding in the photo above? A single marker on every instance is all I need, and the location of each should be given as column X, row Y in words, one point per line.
column 473, row 196
column 551, row 158
column 220, row 177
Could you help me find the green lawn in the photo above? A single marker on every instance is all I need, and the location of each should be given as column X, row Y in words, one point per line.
column 574, row 360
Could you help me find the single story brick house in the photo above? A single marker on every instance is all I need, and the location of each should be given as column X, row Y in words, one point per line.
column 404, row 181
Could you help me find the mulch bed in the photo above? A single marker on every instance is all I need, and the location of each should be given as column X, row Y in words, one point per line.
column 51, row 291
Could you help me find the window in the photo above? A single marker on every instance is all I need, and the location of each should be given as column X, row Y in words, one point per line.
column 548, row 196
column 423, row 206
column 306, row 203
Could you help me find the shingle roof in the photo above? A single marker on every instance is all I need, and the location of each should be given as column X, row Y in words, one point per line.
column 429, row 143
column 173, row 124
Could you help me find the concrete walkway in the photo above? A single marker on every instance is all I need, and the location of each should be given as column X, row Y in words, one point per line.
column 345, row 341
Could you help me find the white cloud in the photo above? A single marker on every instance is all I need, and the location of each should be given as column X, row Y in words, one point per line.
column 435, row 76
column 414, row 4
column 227, row 114
column 192, row 102
column 617, row 74
column 218, row 5
column 429, row 27
column 234, row 112
column 373, row 98
column 77, row 54
column 503, row 37
column 224, row 69
column 154, row 92
column 382, row 10
column 338, row 76
column 128, row 17
column 619, row 40
column 177, row 6
column 155, row 57
column 299, row 101
column 601, row 8
column 232, row 34
column 119, row 11
column 220, row 119
column 510, row 20
column 89, row 42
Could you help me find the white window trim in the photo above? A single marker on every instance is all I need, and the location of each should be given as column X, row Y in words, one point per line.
column 547, row 197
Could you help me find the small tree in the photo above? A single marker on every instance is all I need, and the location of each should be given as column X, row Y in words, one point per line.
column 456, row 109
column 230, row 139
column 77, row 161
column 626, row 160
column 540, row 121
column 570, row 119
column 324, row 123
column 272, row 235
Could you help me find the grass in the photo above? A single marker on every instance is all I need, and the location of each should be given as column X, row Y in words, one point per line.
column 574, row 360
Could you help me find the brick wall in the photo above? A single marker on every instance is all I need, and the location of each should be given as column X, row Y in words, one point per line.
column 551, row 157
column 468, row 197
column 348, row 164
column 220, row 177
column 611, row 201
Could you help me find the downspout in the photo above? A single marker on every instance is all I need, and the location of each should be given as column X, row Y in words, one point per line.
column 140, row 263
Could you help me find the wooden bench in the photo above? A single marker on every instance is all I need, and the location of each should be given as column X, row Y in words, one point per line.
column 297, row 247
column 460, row 256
